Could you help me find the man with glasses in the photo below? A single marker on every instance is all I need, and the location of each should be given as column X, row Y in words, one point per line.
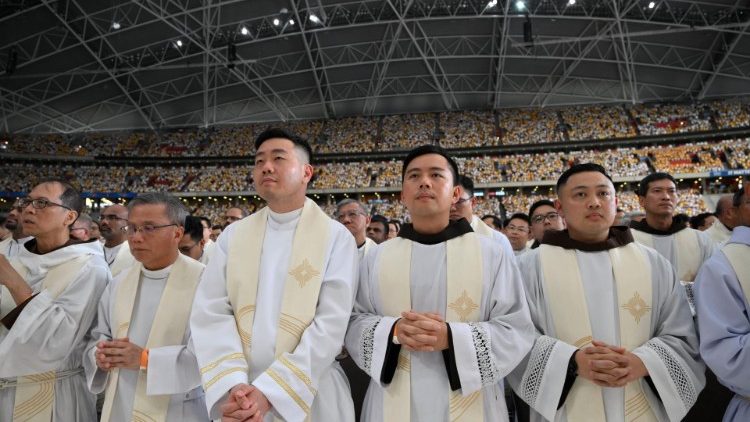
column 544, row 217
column 464, row 208
column 112, row 222
column 518, row 230
column 193, row 244
column 271, row 312
column 81, row 229
column 11, row 246
column 48, row 309
column 139, row 353
column 353, row 215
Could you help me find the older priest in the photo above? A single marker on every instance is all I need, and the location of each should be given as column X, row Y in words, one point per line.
column 271, row 311
column 440, row 316
column 139, row 354
column 615, row 340
column 48, row 303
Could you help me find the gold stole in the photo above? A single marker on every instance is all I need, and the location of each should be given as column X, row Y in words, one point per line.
column 301, row 288
column 687, row 251
column 567, row 303
column 737, row 255
column 35, row 393
column 168, row 329
column 464, row 293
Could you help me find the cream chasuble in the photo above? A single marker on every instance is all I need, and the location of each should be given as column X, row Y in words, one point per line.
column 687, row 253
column 738, row 256
column 168, row 329
column 572, row 324
column 464, row 292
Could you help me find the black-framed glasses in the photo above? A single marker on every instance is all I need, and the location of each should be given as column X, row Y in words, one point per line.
column 39, row 203
column 540, row 218
column 111, row 218
column 147, row 229
column 462, row 201
column 186, row 249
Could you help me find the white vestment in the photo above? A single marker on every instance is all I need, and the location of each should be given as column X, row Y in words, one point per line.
column 171, row 370
column 484, row 351
column 718, row 232
column 119, row 258
column 481, row 228
column 51, row 334
column 218, row 345
column 670, row 355
column 10, row 247
column 724, row 323
column 362, row 250
column 665, row 245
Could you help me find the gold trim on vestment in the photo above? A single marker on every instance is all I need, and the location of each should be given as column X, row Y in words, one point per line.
column 218, row 362
column 289, row 390
column 460, row 404
column 299, row 373
column 221, row 375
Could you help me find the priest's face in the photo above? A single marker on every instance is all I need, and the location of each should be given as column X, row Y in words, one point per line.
column 281, row 172
column 50, row 220
column 152, row 237
column 428, row 189
column 354, row 219
column 588, row 203
column 660, row 199
column 464, row 207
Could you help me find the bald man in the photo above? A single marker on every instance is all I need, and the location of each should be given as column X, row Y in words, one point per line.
column 726, row 220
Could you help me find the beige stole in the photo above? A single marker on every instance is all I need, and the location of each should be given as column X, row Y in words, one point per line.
column 687, row 251
column 35, row 393
column 168, row 329
column 567, row 303
column 480, row 227
column 738, row 255
column 124, row 260
column 301, row 288
column 464, row 293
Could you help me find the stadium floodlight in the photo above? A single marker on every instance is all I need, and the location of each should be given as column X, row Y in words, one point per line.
column 571, row 2
column 520, row 5
column 291, row 22
column 116, row 25
column 314, row 19
column 179, row 43
column 276, row 22
column 244, row 31
column 492, row 3
column 651, row 5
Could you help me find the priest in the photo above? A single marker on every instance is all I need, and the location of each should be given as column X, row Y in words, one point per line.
column 440, row 316
column 615, row 339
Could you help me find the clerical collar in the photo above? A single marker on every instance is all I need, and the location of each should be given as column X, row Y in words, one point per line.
column 454, row 229
column 286, row 217
column 643, row 226
column 157, row 274
column 618, row 236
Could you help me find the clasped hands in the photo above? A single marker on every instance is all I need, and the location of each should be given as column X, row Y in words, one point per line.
column 118, row 353
column 422, row 331
column 609, row 366
column 245, row 403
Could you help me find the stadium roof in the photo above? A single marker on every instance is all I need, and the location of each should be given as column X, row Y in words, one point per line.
column 85, row 65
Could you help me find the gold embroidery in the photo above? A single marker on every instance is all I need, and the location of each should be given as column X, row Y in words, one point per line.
column 464, row 306
column 304, row 272
column 293, row 394
column 122, row 330
column 217, row 362
column 637, row 307
column 583, row 341
column 404, row 363
column 221, row 375
column 292, row 325
column 459, row 404
column 142, row 417
column 299, row 373
column 244, row 334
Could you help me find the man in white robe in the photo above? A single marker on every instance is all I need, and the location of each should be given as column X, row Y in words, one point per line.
column 722, row 302
column 464, row 208
column 518, row 230
column 139, row 352
column 48, row 305
column 11, row 246
column 353, row 215
column 440, row 316
column 193, row 243
column 116, row 251
column 726, row 219
column 615, row 340
column 271, row 351
column 543, row 217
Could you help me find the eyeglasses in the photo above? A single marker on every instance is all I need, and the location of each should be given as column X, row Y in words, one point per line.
column 186, row 249
column 540, row 218
column 147, row 229
column 111, row 218
column 512, row 228
column 350, row 215
column 461, row 201
column 39, row 203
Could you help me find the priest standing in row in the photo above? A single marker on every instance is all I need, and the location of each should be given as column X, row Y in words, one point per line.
column 112, row 221
column 271, row 312
column 48, row 309
column 11, row 246
column 440, row 316
column 615, row 338
column 139, row 354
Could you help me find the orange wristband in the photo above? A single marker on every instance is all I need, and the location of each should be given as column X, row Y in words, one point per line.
column 394, row 339
column 144, row 359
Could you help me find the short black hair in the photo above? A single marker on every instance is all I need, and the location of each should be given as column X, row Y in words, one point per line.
column 580, row 168
column 377, row 218
column 737, row 198
column 430, row 149
column 699, row 220
column 519, row 216
column 206, row 219
column 275, row 132
column 496, row 221
column 194, row 228
column 466, row 183
column 540, row 203
column 70, row 197
column 217, row 226
column 653, row 177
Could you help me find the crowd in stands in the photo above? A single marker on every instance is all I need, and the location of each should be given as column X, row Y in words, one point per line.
column 464, row 129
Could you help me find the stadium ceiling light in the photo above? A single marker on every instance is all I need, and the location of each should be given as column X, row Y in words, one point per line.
column 291, row 22
column 244, row 31
column 179, row 43
column 492, row 3
column 276, row 22
column 651, row 5
column 116, row 25
column 314, row 19
column 520, row 5
column 571, row 2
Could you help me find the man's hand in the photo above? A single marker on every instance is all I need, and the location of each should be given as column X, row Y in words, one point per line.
column 262, row 404
column 634, row 369
column 13, row 281
column 238, row 407
column 422, row 331
column 118, row 353
column 609, row 366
